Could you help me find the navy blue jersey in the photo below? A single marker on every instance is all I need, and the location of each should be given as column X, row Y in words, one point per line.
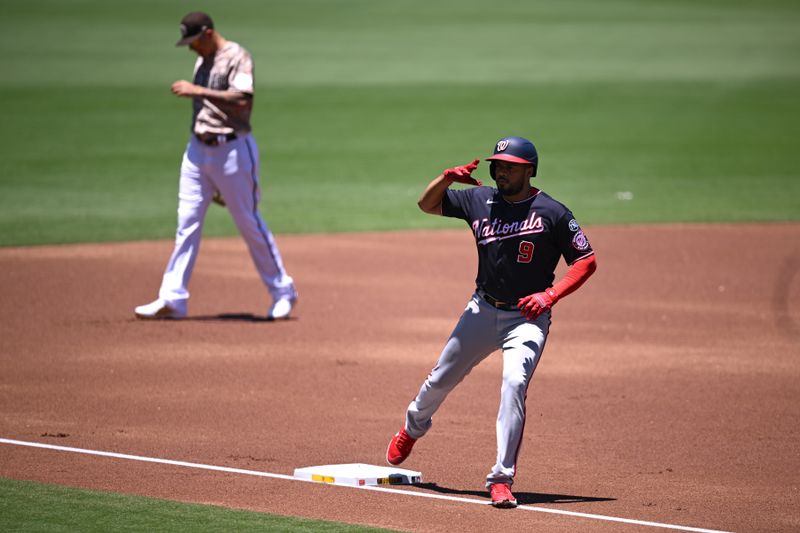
column 519, row 244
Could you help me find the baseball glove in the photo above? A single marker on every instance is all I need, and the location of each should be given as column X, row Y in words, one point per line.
column 218, row 199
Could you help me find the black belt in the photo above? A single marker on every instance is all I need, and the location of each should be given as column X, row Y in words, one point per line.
column 215, row 140
column 494, row 302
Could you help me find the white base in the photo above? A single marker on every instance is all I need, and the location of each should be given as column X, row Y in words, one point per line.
column 358, row 474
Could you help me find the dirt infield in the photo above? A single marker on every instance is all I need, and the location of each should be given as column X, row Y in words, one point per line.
column 669, row 390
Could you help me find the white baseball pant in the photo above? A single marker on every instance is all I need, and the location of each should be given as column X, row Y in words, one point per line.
column 232, row 169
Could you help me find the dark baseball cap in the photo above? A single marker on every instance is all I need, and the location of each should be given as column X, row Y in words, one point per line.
column 193, row 25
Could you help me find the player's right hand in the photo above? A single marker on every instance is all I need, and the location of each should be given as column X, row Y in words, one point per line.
column 533, row 305
column 184, row 88
column 463, row 173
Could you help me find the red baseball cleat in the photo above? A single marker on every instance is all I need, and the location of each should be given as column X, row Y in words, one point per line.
column 501, row 496
column 399, row 447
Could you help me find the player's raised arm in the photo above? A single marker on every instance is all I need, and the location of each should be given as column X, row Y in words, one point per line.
column 431, row 199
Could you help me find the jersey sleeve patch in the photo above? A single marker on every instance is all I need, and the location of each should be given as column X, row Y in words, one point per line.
column 579, row 241
column 243, row 82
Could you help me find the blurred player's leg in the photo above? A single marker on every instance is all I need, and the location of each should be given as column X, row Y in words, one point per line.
column 236, row 176
column 194, row 196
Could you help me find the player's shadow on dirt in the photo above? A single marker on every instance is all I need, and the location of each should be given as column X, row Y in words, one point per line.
column 523, row 498
column 236, row 317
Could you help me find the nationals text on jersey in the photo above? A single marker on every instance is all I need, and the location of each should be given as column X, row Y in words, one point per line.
column 496, row 230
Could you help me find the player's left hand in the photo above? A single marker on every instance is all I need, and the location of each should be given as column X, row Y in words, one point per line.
column 463, row 174
column 533, row 305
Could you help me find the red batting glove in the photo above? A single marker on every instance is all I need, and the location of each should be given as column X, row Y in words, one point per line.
column 535, row 304
column 462, row 174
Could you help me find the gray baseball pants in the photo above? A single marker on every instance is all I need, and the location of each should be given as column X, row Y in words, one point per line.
column 481, row 330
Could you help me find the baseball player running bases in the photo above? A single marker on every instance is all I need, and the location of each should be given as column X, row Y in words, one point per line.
column 220, row 164
column 520, row 233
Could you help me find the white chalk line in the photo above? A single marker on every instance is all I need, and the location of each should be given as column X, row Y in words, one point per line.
column 372, row 488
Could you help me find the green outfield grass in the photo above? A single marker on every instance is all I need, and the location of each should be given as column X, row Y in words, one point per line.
column 33, row 507
column 642, row 111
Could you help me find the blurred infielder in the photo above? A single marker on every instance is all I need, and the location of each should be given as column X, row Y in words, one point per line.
column 220, row 164
column 520, row 233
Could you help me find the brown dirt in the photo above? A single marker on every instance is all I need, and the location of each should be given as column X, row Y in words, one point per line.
column 669, row 390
